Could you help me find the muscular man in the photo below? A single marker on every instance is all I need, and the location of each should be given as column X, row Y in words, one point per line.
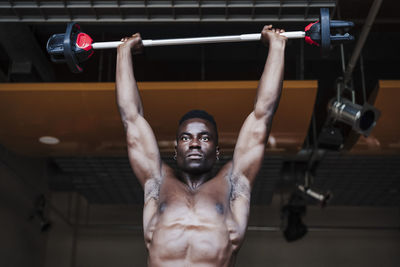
column 192, row 216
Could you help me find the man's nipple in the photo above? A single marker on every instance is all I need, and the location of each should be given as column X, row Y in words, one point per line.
column 162, row 207
column 220, row 208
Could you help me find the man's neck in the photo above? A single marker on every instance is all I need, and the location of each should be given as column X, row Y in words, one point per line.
column 193, row 181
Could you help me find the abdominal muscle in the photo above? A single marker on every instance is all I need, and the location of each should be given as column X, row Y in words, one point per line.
column 187, row 239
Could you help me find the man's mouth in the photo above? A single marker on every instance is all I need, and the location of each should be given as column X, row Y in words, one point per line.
column 195, row 156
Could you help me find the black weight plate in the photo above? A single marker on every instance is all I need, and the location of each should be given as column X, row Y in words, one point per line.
column 325, row 31
column 69, row 55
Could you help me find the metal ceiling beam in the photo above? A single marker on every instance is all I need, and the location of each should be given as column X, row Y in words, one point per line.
column 157, row 11
column 176, row 4
column 160, row 19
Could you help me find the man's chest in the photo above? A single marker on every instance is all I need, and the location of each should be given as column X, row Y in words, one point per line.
column 210, row 200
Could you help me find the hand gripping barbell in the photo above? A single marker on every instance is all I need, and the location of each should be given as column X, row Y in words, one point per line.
column 75, row 47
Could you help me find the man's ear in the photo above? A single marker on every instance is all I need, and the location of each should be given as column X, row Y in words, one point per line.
column 217, row 151
column 175, row 147
column 175, row 150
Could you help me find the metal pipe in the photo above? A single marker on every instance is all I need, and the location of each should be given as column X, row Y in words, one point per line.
column 342, row 57
column 364, row 90
column 361, row 40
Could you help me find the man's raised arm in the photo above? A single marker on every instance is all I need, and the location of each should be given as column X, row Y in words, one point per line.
column 128, row 98
column 253, row 136
column 143, row 151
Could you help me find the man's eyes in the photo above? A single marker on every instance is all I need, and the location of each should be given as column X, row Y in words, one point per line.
column 205, row 138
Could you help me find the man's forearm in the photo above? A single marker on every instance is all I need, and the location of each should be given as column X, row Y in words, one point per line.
column 128, row 98
column 270, row 85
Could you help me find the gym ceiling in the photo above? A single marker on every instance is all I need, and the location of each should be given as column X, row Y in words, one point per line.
column 41, row 98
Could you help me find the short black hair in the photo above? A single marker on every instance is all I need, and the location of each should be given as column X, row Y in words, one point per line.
column 200, row 114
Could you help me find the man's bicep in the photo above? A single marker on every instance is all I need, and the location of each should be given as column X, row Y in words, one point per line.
column 250, row 147
column 143, row 152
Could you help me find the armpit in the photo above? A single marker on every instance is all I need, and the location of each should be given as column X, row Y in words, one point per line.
column 240, row 188
column 151, row 189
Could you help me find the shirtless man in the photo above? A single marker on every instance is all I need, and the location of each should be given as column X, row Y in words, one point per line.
column 192, row 216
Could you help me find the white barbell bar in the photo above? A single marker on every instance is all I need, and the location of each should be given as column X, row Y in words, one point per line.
column 200, row 40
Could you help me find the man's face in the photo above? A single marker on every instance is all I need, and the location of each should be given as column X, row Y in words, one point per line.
column 196, row 149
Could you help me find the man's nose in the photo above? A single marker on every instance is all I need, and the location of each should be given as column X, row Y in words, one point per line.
column 194, row 143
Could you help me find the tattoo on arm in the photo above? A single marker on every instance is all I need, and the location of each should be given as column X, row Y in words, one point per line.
column 239, row 188
column 151, row 189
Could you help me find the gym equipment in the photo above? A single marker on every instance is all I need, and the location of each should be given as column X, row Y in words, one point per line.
column 75, row 47
column 322, row 198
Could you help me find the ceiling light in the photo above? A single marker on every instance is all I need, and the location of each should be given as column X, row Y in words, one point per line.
column 361, row 118
column 49, row 140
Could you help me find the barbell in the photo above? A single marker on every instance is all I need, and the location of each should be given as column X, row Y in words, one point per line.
column 74, row 47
